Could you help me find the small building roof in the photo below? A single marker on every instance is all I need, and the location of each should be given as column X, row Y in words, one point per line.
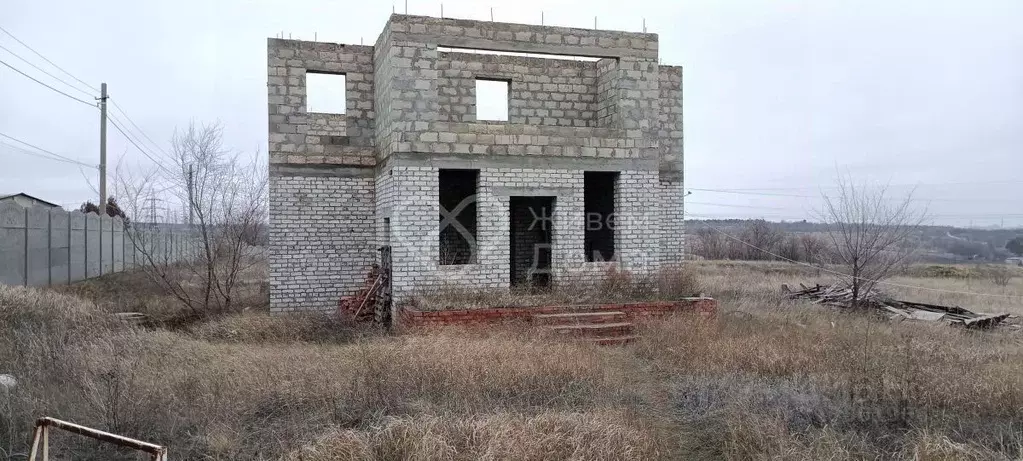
column 22, row 194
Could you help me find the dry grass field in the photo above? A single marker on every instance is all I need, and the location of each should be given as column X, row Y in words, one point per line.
column 766, row 379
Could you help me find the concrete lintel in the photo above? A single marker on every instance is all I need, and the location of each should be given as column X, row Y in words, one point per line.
column 532, row 191
column 524, row 47
column 321, row 170
column 290, row 44
column 472, row 35
column 470, row 161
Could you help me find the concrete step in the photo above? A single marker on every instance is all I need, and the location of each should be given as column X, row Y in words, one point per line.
column 579, row 318
column 593, row 329
column 611, row 340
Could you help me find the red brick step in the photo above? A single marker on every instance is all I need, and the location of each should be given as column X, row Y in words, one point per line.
column 579, row 317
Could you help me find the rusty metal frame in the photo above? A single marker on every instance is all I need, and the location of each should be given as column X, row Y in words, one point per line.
column 41, row 439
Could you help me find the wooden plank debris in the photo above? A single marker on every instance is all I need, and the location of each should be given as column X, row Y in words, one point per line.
column 839, row 296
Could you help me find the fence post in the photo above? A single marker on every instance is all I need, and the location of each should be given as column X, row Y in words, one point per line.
column 124, row 240
column 69, row 219
column 24, row 277
column 85, row 253
column 49, row 249
column 100, row 244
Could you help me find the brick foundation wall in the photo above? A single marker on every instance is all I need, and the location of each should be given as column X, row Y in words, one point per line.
column 411, row 318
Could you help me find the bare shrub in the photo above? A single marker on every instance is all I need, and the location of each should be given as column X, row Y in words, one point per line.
column 1001, row 275
column 870, row 235
column 678, row 282
column 224, row 195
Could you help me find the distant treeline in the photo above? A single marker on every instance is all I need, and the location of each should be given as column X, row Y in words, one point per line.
column 808, row 242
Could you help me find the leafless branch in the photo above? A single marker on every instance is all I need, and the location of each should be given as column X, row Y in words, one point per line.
column 225, row 196
column 869, row 232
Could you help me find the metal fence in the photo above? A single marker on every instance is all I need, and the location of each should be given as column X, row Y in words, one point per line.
column 41, row 440
column 51, row 246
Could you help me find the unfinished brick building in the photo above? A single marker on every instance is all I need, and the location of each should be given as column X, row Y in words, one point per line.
column 412, row 164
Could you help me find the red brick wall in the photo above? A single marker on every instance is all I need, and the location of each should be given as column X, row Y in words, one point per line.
column 633, row 311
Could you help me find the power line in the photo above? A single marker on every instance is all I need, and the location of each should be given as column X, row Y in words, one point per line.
column 881, row 282
column 690, row 202
column 771, row 194
column 754, row 189
column 140, row 149
column 47, row 157
column 48, row 86
column 69, row 74
column 135, row 140
column 44, row 71
column 40, row 149
column 146, row 136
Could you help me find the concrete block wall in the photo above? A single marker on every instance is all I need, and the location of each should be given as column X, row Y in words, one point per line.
column 300, row 137
column 502, row 36
column 552, row 92
column 670, row 130
column 322, row 234
column 51, row 246
column 607, row 94
column 420, row 109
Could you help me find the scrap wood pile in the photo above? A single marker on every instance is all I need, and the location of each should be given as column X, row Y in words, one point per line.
column 842, row 296
column 362, row 306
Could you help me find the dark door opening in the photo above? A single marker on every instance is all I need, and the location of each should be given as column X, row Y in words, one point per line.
column 532, row 227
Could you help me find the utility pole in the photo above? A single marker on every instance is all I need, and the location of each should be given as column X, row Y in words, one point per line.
column 191, row 209
column 103, row 149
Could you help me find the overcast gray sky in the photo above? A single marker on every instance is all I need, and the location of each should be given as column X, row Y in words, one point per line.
column 779, row 95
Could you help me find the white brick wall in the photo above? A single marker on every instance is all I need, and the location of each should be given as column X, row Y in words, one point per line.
column 321, row 234
column 637, row 224
column 414, row 226
column 672, row 218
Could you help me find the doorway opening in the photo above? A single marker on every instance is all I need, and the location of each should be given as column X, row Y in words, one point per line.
column 531, row 236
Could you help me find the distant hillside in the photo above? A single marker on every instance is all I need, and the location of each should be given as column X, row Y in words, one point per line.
column 938, row 243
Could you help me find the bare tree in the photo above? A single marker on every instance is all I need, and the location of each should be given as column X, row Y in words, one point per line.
column 790, row 249
column 710, row 244
column 762, row 237
column 814, row 249
column 870, row 234
column 225, row 203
